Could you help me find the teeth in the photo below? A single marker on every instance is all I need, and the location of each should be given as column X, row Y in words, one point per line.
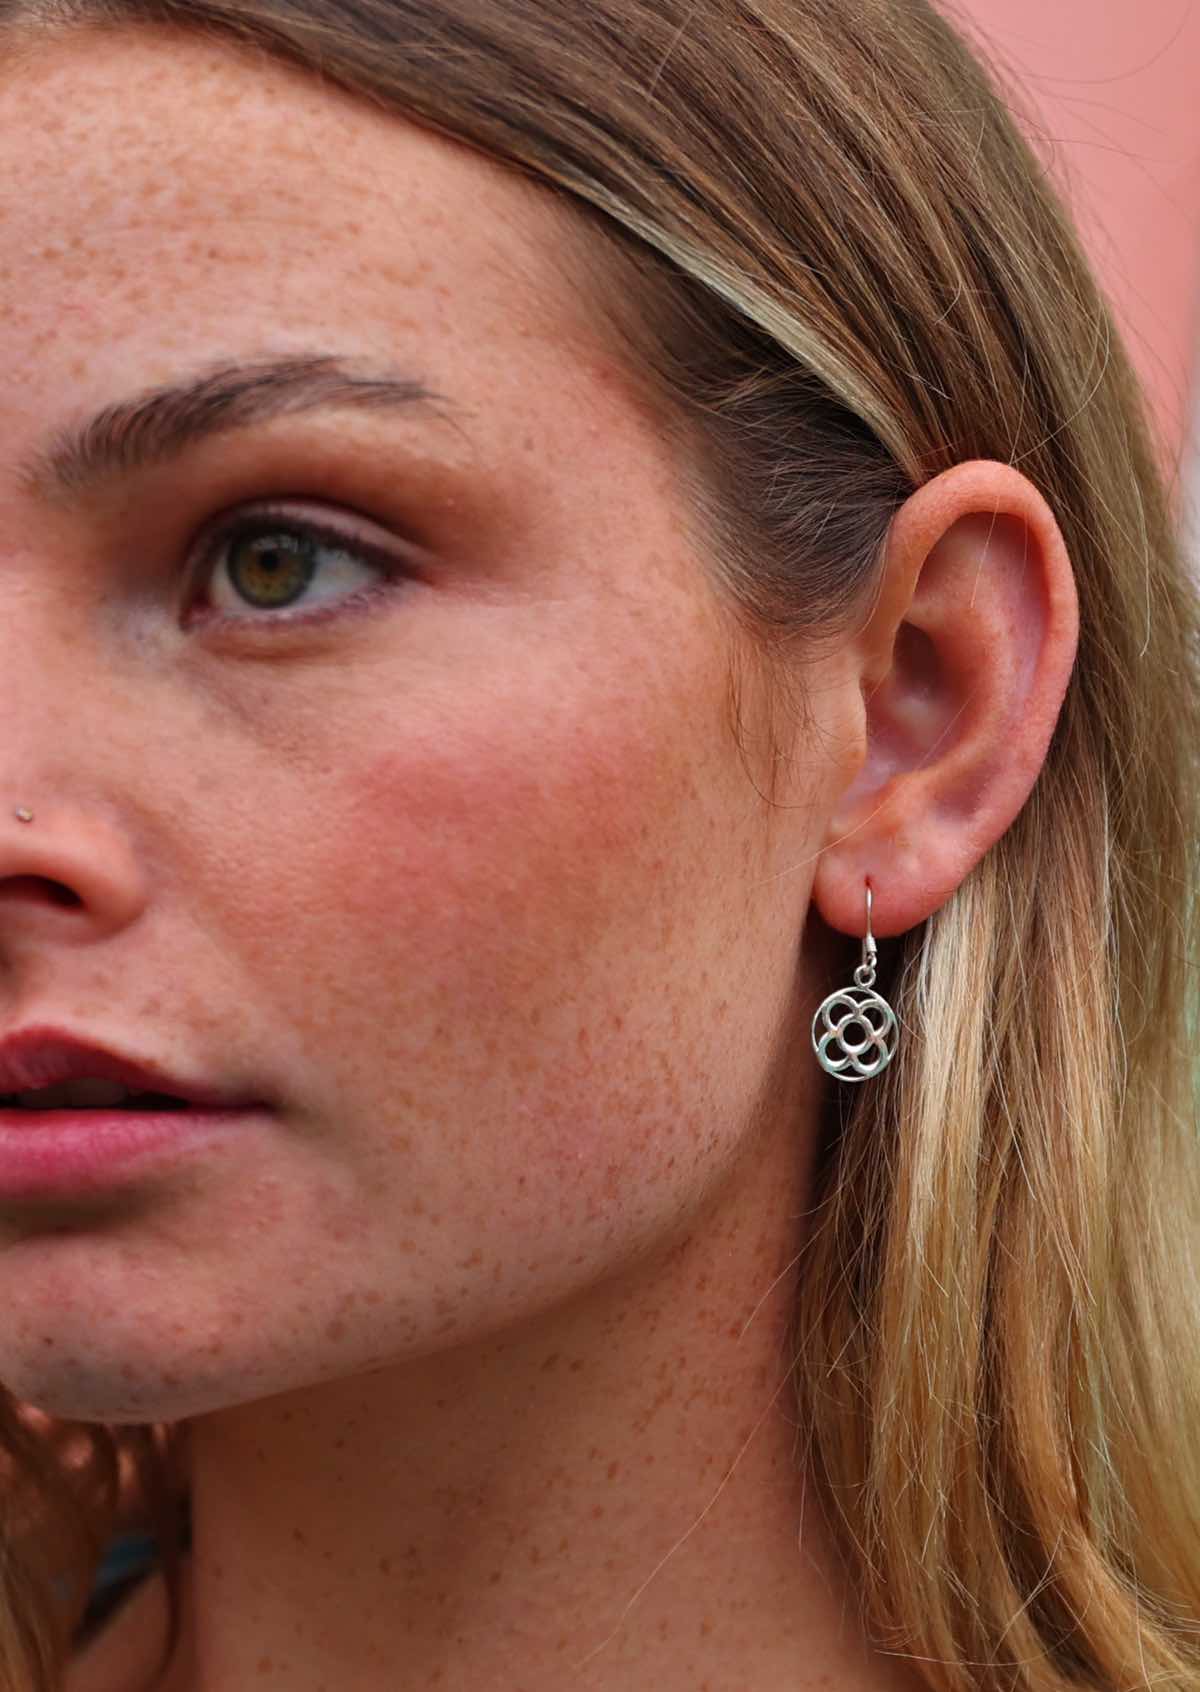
column 84, row 1092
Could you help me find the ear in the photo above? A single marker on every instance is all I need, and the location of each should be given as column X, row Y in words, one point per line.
column 961, row 672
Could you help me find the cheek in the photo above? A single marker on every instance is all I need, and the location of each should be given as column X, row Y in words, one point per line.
column 539, row 1001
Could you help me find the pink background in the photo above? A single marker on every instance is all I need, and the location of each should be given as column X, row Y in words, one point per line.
column 1115, row 88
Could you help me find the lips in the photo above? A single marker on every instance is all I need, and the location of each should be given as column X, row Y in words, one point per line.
column 42, row 1056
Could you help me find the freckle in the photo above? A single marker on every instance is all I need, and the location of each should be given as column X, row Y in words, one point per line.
column 300, row 1538
column 550, row 1361
column 706, row 1625
column 597, row 1511
column 577, row 1365
column 265, row 1666
column 336, row 1329
column 373, row 1297
column 494, row 1578
column 613, row 1469
column 385, row 1565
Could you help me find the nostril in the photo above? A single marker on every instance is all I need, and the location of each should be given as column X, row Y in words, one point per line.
column 38, row 887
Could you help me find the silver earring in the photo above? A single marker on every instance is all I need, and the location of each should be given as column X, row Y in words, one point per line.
column 22, row 814
column 838, row 1015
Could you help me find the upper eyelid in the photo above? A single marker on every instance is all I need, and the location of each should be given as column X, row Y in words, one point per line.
column 332, row 531
column 282, row 511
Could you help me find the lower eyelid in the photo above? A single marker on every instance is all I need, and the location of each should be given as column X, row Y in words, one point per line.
column 362, row 600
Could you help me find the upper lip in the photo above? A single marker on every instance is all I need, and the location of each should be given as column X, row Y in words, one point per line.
column 40, row 1057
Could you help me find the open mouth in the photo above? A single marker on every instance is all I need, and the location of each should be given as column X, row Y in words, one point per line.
column 58, row 1098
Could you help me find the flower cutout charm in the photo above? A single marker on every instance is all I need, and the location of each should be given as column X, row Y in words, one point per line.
column 855, row 1033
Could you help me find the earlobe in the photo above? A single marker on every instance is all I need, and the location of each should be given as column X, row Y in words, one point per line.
column 978, row 615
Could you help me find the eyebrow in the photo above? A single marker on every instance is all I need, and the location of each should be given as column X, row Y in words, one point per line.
column 161, row 423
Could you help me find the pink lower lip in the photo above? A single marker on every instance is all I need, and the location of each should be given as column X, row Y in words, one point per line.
column 47, row 1151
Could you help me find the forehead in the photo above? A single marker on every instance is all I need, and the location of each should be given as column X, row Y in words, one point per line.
column 172, row 193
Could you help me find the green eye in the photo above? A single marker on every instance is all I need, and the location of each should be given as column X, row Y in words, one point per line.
column 271, row 560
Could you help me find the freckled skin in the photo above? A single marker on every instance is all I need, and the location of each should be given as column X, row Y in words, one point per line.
column 476, row 888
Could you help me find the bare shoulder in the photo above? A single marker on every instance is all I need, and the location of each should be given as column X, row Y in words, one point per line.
column 124, row 1653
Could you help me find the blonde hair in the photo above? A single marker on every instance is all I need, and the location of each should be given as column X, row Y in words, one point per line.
column 835, row 267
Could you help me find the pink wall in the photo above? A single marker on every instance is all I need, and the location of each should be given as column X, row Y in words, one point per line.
column 1116, row 84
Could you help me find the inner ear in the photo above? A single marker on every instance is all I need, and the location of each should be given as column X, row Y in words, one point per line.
column 917, row 662
column 909, row 710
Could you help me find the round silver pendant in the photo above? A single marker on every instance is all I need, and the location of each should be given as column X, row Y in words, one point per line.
column 855, row 1033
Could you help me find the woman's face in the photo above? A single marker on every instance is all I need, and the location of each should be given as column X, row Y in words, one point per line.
column 468, row 878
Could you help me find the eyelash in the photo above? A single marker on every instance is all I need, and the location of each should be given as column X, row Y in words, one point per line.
column 272, row 520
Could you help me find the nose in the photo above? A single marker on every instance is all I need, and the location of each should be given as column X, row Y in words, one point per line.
column 64, row 870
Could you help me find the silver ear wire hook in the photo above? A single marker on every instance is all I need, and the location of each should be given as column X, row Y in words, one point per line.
column 859, row 1006
column 865, row 973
